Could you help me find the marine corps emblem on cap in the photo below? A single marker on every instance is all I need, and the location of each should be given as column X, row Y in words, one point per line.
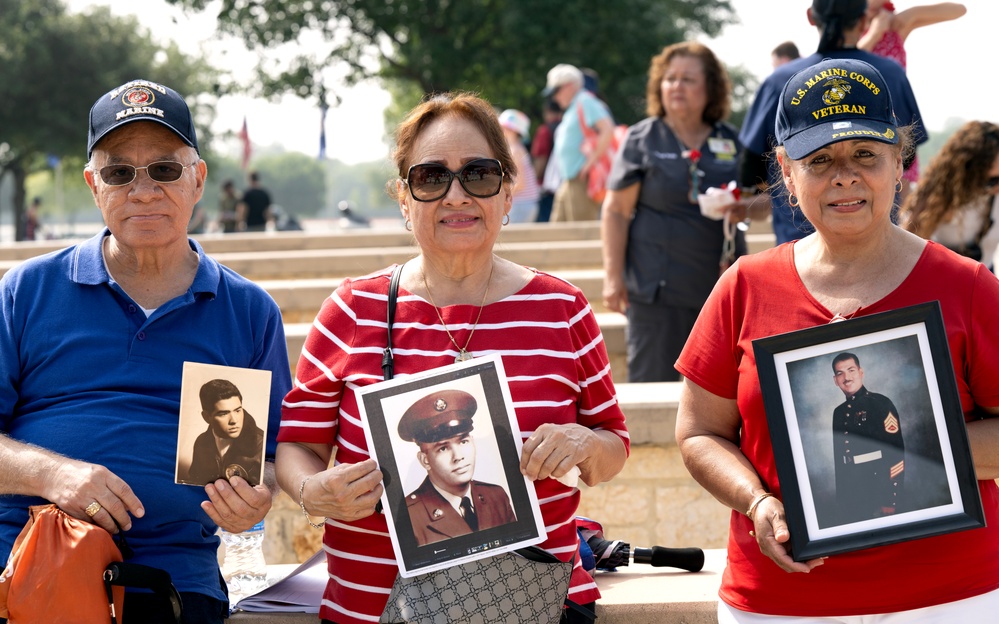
column 138, row 96
column 440, row 405
column 835, row 100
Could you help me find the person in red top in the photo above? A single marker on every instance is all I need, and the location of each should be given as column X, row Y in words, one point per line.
column 457, row 299
column 841, row 166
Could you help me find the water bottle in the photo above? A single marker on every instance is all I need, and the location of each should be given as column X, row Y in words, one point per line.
column 243, row 567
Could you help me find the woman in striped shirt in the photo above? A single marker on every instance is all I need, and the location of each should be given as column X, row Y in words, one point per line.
column 457, row 299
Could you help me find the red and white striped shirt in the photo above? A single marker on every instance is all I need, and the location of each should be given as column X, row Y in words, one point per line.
column 557, row 368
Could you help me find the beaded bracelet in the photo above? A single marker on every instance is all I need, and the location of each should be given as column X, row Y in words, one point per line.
column 301, row 503
column 753, row 505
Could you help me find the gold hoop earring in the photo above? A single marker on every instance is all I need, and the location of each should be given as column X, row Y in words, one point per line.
column 409, row 225
column 792, row 200
column 506, row 219
column 898, row 187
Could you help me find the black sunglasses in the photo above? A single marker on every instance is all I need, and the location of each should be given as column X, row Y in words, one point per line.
column 482, row 177
column 991, row 183
column 162, row 171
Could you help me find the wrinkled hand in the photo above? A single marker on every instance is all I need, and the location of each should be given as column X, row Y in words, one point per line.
column 772, row 536
column 73, row 485
column 552, row 450
column 236, row 506
column 344, row 492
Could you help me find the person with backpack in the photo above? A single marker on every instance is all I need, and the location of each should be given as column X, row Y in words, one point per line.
column 584, row 114
column 662, row 256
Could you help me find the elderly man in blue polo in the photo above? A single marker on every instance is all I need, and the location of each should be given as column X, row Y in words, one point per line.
column 449, row 502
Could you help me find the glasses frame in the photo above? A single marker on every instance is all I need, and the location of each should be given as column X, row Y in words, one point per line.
column 455, row 175
column 991, row 183
column 135, row 171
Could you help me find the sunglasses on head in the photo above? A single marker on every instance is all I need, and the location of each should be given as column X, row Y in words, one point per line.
column 991, row 183
column 482, row 177
column 162, row 171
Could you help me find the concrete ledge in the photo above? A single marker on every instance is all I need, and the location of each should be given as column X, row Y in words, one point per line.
column 636, row 594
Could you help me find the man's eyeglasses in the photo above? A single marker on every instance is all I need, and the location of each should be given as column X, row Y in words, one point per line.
column 991, row 183
column 482, row 177
column 162, row 171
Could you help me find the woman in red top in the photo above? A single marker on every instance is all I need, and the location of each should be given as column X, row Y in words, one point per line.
column 457, row 299
column 842, row 164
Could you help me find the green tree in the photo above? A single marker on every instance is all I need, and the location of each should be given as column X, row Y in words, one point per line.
column 295, row 181
column 499, row 48
column 54, row 64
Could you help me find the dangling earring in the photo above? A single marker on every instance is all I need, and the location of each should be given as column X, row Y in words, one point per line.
column 792, row 199
column 409, row 225
column 898, row 187
column 506, row 219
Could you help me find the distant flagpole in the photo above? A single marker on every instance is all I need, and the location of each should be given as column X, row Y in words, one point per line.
column 322, row 130
column 244, row 135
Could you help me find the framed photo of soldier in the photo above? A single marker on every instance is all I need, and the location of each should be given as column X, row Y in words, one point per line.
column 223, row 423
column 868, row 432
column 448, row 444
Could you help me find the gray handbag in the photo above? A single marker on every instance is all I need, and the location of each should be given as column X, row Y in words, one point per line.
column 527, row 585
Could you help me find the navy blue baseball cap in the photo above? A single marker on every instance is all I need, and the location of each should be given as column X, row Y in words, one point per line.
column 140, row 100
column 835, row 100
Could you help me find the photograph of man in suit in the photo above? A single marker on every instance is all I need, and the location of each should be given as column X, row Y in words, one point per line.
column 867, row 447
column 449, row 502
column 233, row 444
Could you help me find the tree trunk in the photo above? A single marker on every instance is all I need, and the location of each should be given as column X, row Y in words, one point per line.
column 16, row 167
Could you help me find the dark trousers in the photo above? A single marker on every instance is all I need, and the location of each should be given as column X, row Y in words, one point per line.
column 656, row 335
column 147, row 608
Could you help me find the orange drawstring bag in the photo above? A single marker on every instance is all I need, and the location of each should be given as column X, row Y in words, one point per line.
column 56, row 572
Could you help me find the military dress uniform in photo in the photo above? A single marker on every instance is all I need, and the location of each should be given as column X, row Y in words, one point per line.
column 439, row 416
column 869, row 451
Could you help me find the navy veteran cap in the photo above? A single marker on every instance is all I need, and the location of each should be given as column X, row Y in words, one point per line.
column 438, row 416
column 140, row 100
column 835, row 100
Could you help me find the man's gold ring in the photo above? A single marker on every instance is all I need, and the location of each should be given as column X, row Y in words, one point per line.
column 92, row 509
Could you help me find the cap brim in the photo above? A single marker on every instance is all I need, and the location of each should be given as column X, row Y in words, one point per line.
column 816, row 137
column 119, row 124
column 549, row 90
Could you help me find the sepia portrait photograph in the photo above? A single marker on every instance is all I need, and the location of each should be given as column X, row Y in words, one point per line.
column 868, row 432
column 223, row 423
column 448, row 444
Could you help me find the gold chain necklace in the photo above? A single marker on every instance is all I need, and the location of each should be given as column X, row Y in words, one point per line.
column 463, row 354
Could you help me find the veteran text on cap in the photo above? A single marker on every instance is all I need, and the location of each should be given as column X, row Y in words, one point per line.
column 835, row 100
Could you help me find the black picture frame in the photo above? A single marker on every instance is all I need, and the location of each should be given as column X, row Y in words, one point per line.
column 498, row 441
column 904, row 357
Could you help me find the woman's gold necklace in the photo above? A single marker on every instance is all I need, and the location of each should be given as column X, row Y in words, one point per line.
column 463, row 354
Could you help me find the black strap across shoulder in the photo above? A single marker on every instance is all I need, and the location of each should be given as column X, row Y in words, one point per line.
column 393, row 293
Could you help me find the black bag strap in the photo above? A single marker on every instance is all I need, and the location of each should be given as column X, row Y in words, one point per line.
column 393, row 294
column 136, row 575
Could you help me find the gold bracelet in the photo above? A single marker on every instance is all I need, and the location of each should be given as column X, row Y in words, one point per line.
column 301, row 503
column 752, row 506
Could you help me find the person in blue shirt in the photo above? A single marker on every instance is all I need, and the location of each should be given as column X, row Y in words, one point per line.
column 93, row 340
column 840, row 23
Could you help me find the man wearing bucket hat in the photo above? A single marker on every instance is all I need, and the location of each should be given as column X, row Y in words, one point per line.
column 449, row 502
column 840, row 151
column 840, row 23
column 93, row 340
column 581, row 108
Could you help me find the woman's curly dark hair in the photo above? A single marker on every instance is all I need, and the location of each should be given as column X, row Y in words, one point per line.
column 954, row 178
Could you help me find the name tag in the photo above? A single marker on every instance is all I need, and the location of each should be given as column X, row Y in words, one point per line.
column 867, row 457
column 721, row 146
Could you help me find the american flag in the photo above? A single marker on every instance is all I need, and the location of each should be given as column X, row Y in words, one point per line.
column 244, row 135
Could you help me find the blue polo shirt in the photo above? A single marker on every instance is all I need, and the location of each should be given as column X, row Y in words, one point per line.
column 84, row 373
column 758, row 132
column 569, row 134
